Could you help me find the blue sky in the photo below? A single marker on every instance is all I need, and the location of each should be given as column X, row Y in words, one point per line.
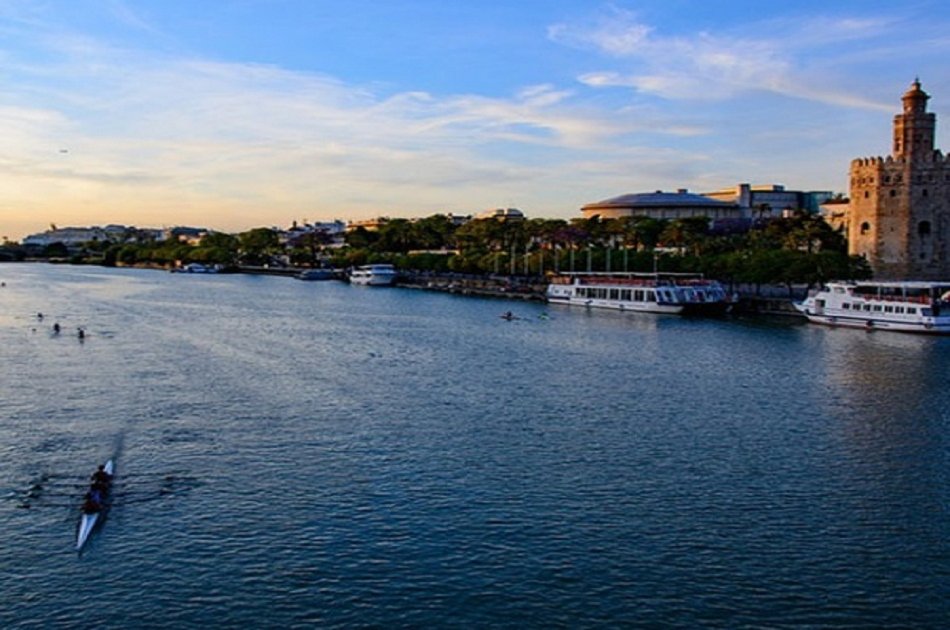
column 245, row 113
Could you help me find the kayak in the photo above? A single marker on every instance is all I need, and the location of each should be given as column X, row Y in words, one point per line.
column 88, row 521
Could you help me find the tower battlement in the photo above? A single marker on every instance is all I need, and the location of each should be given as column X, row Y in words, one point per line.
column 899, row 215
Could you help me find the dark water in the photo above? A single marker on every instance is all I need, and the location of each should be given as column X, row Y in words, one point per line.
column 314, row 454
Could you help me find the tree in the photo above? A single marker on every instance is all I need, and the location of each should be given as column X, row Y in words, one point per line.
column 434, row 232
column 396, row 235
column 56, row 250
column 217, row 248
column 360, row 238
column 257, row 245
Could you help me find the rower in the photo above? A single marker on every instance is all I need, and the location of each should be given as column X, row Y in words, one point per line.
column 101, row 477
column 82, row 333
column 56, row 328
column 91, row 505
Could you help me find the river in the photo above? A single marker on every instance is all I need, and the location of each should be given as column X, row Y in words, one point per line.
column 311, row 454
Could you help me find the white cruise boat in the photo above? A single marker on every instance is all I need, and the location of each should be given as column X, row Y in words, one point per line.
column 373, row 275
column 922, row 307
column 671, row 293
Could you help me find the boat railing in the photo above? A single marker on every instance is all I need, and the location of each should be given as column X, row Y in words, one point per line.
column 913, row 299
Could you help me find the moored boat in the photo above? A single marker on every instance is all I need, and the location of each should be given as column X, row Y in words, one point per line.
column 378, row 275
column 908, row 306
column 196, row 268
column 89, row 519
column 318, row 274
column 669, row 293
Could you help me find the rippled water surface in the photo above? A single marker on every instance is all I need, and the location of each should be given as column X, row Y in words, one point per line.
column 315, row 454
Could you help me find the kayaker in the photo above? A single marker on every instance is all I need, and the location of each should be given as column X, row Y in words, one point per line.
column 56, row 328
column 82, row 333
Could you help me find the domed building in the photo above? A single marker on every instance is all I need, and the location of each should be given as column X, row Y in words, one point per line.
column 662, row 205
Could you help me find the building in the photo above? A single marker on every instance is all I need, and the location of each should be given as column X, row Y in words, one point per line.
column 662, row 205
column 330, row 234
column 739, row 205
column 835, row 213
column 502, row 214
column 899, row 215
column 187, row 235
column 370, row 225
column 770, row 201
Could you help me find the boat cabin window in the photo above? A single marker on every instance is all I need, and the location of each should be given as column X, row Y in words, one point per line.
column 926, row 312
column 614, row 294
column 650, row 296
column 911, row 310
column 638, row 295
column 898, row 309
column 625, row 295
column 846, row 306
column 888, row 309
column 867, row 307
column 877, row 308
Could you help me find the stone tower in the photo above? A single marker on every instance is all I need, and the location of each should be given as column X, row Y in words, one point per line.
column 899, row 217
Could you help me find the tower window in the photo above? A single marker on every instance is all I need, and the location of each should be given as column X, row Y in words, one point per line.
column 866, row 194
column 923, row 228
column 893, row 193
column 923, row 193
column 865, row 228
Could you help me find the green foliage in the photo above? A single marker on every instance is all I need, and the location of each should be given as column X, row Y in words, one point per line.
column 256, row 246
column 55, row 250
column 801, row 249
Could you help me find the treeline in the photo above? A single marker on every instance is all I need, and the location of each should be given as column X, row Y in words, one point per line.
column 798, row 249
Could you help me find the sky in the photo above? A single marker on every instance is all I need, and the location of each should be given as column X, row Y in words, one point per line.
column 248, row 113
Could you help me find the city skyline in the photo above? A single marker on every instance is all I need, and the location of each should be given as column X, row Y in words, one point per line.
column 234, row 116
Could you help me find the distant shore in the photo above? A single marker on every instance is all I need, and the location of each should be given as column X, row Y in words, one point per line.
column 752, row 300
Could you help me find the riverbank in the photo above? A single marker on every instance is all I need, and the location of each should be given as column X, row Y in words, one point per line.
column 752, row 299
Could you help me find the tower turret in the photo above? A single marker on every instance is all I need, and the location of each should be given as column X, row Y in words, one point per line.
column 914, row 127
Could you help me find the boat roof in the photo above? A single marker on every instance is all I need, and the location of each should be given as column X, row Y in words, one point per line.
column 633, row 274
column 893, row 284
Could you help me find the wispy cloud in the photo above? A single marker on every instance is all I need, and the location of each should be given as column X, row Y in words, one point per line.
column 183, row 132
column 718, row 66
